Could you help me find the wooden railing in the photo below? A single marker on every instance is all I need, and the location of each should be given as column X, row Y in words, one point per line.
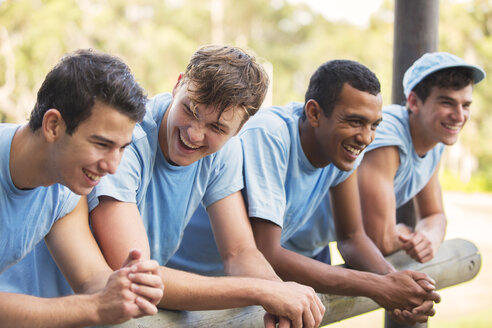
column 456, row 261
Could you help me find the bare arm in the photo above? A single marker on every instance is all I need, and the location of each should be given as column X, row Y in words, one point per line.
column 111, row 299
column 431, row 226
column 186, row 291
column 27, row 311
column 375, row 179
column 355, row 246
column 394, row 290
column 353, row 243
column 235, row 241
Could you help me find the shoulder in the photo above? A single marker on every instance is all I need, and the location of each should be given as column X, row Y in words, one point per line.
column 7, row 131
column 383, row 160
column 395, row 118
column 393, row 130
column 276, row 122
column 230, row 153
column 158, row 104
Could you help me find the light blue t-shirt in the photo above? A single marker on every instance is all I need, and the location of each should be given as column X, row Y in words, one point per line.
column 36, row 274
column 414, row 171
column 167, row 195
column 281, row 185
column 26, row 218
column 412, row 175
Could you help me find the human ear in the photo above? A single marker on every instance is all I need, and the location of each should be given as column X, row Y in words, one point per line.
column 53, row 125
column 178, row 82
column 313, row 111
column 413, row 102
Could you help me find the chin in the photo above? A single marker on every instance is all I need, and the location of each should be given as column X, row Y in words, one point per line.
column 344, row 166
column 80, row 190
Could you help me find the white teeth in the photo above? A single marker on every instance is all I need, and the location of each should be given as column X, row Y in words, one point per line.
column 451, row 127
column 189, row 145
column 91, row 176
column 353, row 150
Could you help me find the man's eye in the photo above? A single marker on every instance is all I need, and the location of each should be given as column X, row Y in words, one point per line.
column 217, row 129
column 356, row 122
column 189, row 112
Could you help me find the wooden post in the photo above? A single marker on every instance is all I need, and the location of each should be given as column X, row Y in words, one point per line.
column 455, row 262
column 415, row 33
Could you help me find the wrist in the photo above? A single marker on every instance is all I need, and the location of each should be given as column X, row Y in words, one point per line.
column 372, row 285
column 92, row 305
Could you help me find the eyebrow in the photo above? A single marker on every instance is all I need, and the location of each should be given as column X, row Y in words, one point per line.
column 96, row 137
column 361, row 117
column 193, row 111
column 452, row 99
column 221, row 126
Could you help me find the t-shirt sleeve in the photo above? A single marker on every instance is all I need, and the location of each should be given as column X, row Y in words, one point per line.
column 265, row 167
column 67, row 205
column 391, row 132
column 124, row 184
column 226, row 176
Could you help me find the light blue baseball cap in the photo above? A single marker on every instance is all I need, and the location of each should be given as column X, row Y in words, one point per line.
column 432, row 62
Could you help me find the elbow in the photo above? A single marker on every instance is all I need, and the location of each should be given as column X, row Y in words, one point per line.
column 387, row 246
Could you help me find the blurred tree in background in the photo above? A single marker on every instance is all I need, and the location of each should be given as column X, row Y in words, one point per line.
column 157, row 37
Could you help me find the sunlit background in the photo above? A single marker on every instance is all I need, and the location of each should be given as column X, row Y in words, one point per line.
column 290, row 37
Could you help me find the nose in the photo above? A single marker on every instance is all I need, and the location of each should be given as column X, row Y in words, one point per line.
column 365, row 136
column 196, row 133
column 111, row 161
column 459, row 114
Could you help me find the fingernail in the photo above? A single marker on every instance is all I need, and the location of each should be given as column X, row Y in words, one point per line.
column 131, row 275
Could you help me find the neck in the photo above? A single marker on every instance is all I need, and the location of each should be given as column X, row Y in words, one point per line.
column 306, row 134
column 162, row 134
column 421, row 140
column 28, row 160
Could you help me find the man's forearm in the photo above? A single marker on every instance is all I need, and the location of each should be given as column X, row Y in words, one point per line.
column 249, row 263
column 96, row 283
column 360, row 253
column 393, row 290
column 434, row 227
column 324, row 278
column 20, row 311
column 191, row 292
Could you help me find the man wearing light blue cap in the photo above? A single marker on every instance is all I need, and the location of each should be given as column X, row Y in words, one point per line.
column 402, row 162
column 295, row 157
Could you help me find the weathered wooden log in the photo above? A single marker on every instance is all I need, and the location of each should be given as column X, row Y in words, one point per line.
column 456, row 261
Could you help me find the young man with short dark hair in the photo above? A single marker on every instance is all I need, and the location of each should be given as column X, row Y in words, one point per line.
column 84, row 115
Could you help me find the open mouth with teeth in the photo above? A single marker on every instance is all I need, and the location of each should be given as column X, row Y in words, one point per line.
column 451, row 127
column 187, row 145
column 354, row 151
column 91, row 176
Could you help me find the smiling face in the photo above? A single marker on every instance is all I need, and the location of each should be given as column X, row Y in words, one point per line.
column 441, row 117
column 93, row 150
column 340, row 138
column 189, row 131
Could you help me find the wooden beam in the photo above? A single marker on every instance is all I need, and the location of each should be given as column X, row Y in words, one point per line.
column 456, row 261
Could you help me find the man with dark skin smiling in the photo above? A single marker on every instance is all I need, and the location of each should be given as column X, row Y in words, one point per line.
column 294, row 156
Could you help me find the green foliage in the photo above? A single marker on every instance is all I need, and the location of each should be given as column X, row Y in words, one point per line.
column 479, row 182
column 157, row 37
